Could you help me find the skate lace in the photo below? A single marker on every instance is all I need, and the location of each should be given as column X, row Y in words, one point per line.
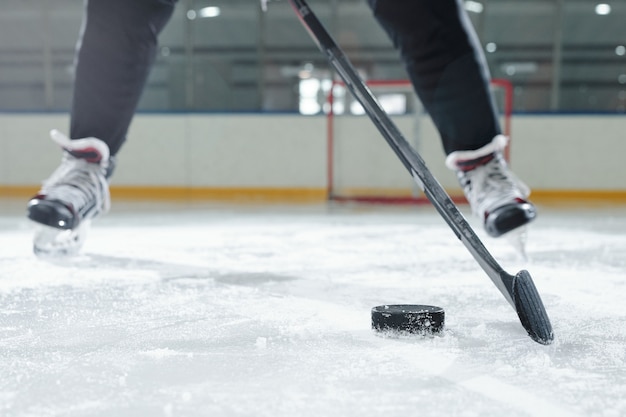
column 492, row 185
column 81, row 184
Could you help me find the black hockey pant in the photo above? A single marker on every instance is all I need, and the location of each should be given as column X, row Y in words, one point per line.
column 116, row 50
column 446, row 65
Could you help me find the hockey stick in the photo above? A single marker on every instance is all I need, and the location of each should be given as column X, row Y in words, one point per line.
column 519, row 290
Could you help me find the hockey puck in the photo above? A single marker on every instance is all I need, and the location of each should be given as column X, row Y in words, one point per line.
column 408, row 318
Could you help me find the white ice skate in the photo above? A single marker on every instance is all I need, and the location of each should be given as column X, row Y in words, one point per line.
column 76, row 192
column 496, row 196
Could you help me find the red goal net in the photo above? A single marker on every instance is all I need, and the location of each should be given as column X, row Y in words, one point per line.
column 360, row 165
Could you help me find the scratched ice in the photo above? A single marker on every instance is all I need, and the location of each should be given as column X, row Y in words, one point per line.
column 265, row 311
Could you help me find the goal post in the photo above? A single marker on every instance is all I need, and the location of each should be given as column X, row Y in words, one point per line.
column 360, row 165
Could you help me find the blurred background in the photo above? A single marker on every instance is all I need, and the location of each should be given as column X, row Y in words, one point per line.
column 229, row 55
column 237, row 106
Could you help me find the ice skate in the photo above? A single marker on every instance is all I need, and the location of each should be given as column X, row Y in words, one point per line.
column 496, row 196
column 76, row 192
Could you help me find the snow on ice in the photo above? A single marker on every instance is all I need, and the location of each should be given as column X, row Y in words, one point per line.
column 265, row 311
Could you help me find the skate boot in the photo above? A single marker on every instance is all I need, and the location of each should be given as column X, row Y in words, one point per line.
column 496, row 196
column 76, row 192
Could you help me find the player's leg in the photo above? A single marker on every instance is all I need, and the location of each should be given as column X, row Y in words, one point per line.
column 115, row 53
column 446, row 65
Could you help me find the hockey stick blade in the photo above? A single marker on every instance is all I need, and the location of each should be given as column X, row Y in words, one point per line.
column 530, row 309
column 519, row 290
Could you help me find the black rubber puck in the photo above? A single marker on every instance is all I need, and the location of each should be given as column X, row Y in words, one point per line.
column 408, row 318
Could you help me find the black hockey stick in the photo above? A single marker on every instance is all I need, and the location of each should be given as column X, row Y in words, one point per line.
column 519, row 290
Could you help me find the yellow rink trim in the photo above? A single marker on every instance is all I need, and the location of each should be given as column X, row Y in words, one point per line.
column 563, row 197
column 248, row 194
column 244, row 194
column 302, row 195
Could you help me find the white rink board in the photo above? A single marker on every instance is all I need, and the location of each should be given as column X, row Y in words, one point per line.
column 222, row 150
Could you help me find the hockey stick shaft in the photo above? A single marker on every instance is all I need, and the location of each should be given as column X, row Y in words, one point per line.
column 518, row 290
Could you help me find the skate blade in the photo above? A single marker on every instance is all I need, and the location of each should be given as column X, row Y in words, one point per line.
column 517, row 239
column 50, row 242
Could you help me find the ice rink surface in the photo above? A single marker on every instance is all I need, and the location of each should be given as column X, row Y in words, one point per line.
column 265, row 311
